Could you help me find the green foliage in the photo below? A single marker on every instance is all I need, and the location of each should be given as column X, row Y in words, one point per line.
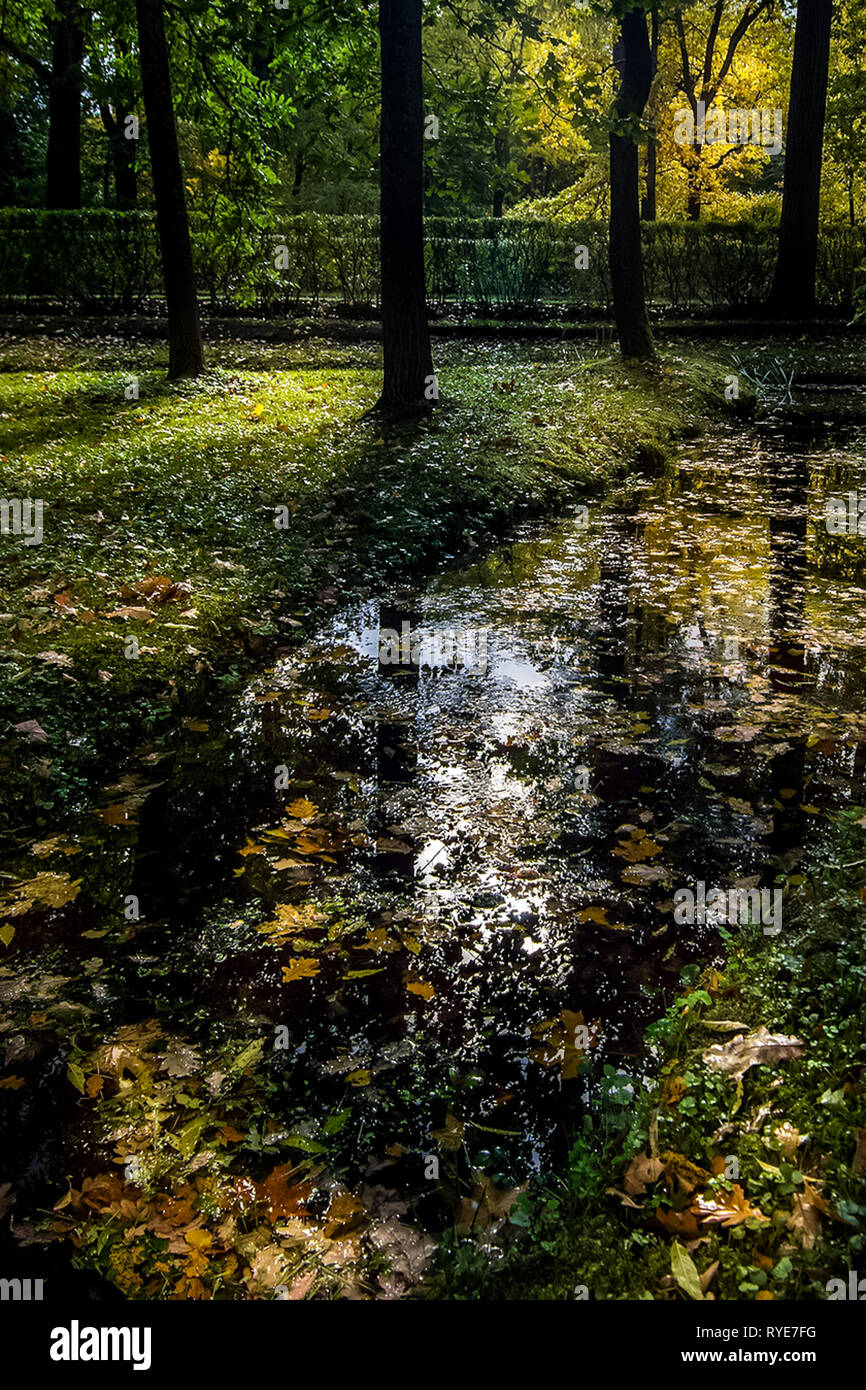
column 103, row 260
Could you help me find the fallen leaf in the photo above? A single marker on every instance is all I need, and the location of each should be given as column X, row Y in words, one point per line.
column 757, row 1049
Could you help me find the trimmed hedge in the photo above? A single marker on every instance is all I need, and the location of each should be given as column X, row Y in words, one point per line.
column 105, row 261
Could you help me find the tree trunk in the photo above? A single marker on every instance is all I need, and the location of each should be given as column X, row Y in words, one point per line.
column 626, row 256
column 695, row 184
column 185, row 353
column 408, row 361
column 648, row 211
column 793, row 292
column 122, row 154
column 63, row 162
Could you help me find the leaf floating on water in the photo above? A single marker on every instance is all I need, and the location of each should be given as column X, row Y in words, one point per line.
column 564, row 1042
column 450, row 1136
column 46, row 889
column 426, row 991
column 301, row 969
column 302, row 809
column 639, row 847
column 598, row 915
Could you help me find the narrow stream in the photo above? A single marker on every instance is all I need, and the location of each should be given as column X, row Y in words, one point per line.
column 429, row 860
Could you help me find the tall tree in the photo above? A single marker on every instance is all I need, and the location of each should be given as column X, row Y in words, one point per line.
column 60, row 29
column 634, row 61
column 648, row 210
column 408, row 359
column 185, row 352
column 699, row 81
column 793, row 291
column 63, row 162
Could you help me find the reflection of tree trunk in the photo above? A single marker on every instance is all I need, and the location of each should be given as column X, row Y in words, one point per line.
column 397, row 634
column 63, row 162
column 788, row 660
column 648, row 206
column 615, row 578
column 626, row 256
column 186, row 355
column 793, row 291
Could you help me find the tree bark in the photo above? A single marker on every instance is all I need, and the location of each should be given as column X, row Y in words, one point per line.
column 793, row 291
column 122, row 153
column 626, row 255
column 648, row 210
column 185, row 352
column 408, row 360
column 63, row 161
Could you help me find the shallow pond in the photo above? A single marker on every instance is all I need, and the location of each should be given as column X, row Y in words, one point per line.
column 426, row 865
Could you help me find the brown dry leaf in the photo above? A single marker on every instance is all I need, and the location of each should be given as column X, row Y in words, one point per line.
column 787, row 1140
column 673, row 1090
column 301, row 969
column 377, row 939
column 643, row 873
column 564, row 1042
column 137, row 615
column 858, row 1162
column 489, row 1206
column 679, row 1223
column 55, row 659
column 297, row 1290
column 279, row 1194
column 708, row 1276
column 638, row 848
column 407, row 1250
column 450, row 1136
column 687, row 1175
column 640, row 1171
column 805, row 1222
column 426, row 991
column 47, row 889
column 598, row 915
column 758, row 1048
column 31, row 730
column 732, row 1209
column 624, row 1198
column 291, row 921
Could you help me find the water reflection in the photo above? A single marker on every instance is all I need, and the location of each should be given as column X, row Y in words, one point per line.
column 667, row 695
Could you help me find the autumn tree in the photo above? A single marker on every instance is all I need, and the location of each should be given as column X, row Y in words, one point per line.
column 701, row 78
